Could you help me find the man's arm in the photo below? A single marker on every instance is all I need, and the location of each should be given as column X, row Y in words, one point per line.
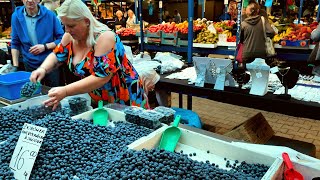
column 15, row 41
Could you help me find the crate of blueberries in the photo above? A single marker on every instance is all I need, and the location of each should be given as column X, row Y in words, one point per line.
column 149, row 118
column 214, row 158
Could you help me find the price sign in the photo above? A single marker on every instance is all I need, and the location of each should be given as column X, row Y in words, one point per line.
column 160, row 4
column 222, row 37
column 26, row 150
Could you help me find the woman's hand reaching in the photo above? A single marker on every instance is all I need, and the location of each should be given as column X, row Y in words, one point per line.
column 38, row 74
column 56, row 94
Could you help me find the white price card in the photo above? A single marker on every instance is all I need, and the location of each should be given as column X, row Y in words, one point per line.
column 160, row 4
column 222, row 37
column 26, row 150
column 259, row 75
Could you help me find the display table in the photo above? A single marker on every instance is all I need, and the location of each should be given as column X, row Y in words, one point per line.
column 236, row 96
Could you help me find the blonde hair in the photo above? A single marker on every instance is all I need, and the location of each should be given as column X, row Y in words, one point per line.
column 77, row 10
column 119, row 12
column 48, row 4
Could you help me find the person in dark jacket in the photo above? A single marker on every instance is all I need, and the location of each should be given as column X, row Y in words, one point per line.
column 120, row 22
column 252, row 34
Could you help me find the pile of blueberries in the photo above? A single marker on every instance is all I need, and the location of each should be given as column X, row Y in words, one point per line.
column 151, row 119
column 11, row 121
column 167, row 112
column 73, row 148
column 78, row 105
column 160, row 164
column 28, row 89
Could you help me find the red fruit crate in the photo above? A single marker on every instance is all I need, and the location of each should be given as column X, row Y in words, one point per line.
column 154, row 40
column 153, row 35
column 182, row 42
column 297, row 43
column 169, row 35
column 172, row 42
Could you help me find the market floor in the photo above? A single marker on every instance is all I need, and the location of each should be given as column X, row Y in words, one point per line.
column 226, row 116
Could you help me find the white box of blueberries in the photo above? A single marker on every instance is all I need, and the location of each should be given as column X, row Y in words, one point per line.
column 225, row 159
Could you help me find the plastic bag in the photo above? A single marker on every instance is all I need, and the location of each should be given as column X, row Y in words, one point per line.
column 169, row 62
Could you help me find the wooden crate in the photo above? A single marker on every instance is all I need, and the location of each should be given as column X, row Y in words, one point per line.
column 255, row 130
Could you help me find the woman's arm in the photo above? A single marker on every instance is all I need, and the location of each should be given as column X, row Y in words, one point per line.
column 104, row 43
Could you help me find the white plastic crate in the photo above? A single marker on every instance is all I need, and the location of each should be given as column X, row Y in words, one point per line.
column 40, row 99
column 191, row 142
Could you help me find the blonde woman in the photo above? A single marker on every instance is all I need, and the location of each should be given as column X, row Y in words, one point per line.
column 93, row 52
column 131, row 18
column 51, row 4
column 120, row 22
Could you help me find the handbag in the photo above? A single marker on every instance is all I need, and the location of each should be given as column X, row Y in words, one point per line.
column 239, row 52
column 269, row 45
column 312, row 58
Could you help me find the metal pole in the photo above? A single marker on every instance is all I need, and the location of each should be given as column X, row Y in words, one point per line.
column 136, row 10
column 13, row 5
column 121, row 5
column 239, row 24
column 318, row 13
column 141, row 26
column 160, row 8
column 300, row 11
column 225, row 9
column 190, row 29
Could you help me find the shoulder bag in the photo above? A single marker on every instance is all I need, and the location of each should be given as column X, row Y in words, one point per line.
column 269, row 45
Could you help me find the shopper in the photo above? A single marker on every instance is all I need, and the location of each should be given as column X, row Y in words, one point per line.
column 167, row 17
column 177, row 17
column 35, row 32
column 315, row 36
column 252, row 34
column 93, row 52
column 131, row 18
column 120, row 22
column 51, row 5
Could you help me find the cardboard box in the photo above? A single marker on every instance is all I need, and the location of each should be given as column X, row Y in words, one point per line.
column 255, row 130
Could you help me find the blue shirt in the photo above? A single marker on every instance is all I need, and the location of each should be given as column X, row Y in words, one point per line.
column 47, row 29
column 31, row 26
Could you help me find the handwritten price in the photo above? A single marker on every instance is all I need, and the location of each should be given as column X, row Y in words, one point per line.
column 19, row 159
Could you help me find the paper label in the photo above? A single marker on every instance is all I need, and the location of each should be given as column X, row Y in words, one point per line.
column 212, row 29
column 222, row 38
column 274, row 70
column 218, row 70
column 26, row 150
column 160, row 4
column 259, row 75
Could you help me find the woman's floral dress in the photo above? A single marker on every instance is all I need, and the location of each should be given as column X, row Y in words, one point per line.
column 124, row 87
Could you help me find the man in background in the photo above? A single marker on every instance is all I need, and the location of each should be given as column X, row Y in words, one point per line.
column 35, row 32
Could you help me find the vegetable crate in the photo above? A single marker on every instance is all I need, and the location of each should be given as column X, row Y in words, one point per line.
column 169, row 38
column 297, row 43
column 182, row 42
column 153, row 34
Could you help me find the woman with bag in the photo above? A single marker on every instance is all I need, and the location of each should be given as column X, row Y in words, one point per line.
column 254, row 32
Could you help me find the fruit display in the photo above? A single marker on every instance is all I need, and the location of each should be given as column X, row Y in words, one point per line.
column 224, row 25
column 295, row 33
column 206, row 37
column 227, row 32
column 74, row 149
column 198, row 25
column 126, row 32
column 232, row 39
